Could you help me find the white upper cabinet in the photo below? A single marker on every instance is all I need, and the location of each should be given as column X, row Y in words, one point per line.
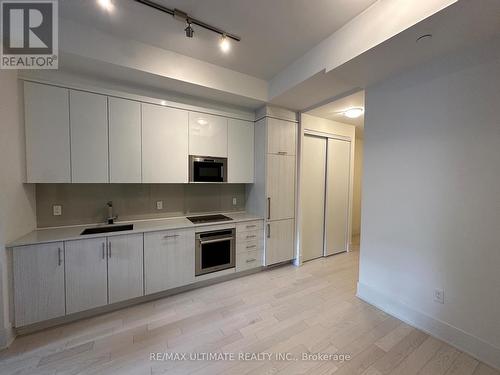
column 164, row 144
column 89, row 137
column 124, row 141
column 46, row 111
column 75, row 136
column 240, row 151
column 281, row 137
column 207, row 135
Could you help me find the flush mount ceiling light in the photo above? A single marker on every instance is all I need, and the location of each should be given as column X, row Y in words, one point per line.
column 183, row 16
column 107, row 5
column 353, row 112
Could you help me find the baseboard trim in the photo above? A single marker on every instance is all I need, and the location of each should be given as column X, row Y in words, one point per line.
column 454, row 336
column 7, row 336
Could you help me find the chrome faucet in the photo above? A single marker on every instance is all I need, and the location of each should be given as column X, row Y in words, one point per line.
column 111, row 218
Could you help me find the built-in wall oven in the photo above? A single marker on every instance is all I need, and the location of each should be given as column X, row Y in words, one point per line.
column 207, row 169
column 215, row 251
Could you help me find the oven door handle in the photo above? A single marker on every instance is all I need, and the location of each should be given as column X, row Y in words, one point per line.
column 216, row 240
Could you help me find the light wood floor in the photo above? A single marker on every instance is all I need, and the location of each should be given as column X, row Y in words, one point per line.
column 297, row 310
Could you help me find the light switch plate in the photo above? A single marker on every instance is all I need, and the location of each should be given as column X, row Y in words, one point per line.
column 159, row 205
column 57, row 210
column 235, row 202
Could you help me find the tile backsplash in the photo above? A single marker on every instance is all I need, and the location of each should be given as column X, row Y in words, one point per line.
column 86, row 203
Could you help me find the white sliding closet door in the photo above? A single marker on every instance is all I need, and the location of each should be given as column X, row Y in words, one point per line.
column 313, row 193
column 337, row 196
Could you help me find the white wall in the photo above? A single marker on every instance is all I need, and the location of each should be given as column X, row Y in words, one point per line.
column 357, row 194
column 17, row 200
column 431, row 199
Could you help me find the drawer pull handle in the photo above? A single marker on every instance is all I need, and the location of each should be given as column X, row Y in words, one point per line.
column 268, row 208
column 251, row 247
column 268, row 230
column 251, row 226
column 282, row 152
column 109, row 249
column 252, row 236
column 103, row 251
column 251, row 260
column 171, row 236
column 59, row 260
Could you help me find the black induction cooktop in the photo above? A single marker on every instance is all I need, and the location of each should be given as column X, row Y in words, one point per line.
column 208, row 218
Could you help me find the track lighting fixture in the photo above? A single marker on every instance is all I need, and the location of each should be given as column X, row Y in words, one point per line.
column 224, row 43
column 189, row 30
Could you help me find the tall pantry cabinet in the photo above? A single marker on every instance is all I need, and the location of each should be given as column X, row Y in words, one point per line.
column 273, row 193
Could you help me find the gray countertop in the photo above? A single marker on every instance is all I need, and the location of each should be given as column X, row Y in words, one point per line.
column 69, row 233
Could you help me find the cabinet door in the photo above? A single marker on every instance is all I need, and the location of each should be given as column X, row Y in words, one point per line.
column 240, row 153
column 280, row 187
column 168, row 259
column 38, row 283
column 164, row 144
column 46, row 117
column 124, row 141
column 279, row 241
column 207, row 135
column 89, row 137
column 86, row 274
column 281, row 137
column 125, row 267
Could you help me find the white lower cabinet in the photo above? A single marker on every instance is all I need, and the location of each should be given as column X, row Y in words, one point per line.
column 125, row 267
column 249, row 245
column 86, row 274
column 169, row 259
column 38, row 283
column 279, row 241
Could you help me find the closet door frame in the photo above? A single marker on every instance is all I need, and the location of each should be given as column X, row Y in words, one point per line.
column 325, row 221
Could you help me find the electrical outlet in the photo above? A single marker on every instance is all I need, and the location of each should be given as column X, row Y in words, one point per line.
column 439, row 295
column 235, row 201
column 57, row 210
column 159, row 205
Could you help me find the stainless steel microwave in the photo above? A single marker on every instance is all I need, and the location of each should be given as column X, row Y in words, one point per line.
column 207, row 169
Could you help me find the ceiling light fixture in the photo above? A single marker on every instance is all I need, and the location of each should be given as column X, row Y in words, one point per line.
column 424, row 38
column 224, row 44
column 107, row 5
column 189, row 30
column 183, row 16
column 353, row 112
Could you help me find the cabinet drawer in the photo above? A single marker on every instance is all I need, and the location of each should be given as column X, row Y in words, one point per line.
column 249, row 236
column 250, row 226
column 248, row 260
column 242, row 247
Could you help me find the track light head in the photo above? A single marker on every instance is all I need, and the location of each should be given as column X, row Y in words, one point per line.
column 189, row 30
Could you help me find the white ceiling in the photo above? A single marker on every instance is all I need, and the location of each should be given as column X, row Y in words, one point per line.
column 462, row 25
column 274, row 32
column 334, row 110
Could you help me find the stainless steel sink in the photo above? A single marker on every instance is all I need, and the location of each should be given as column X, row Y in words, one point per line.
column 114, row 228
